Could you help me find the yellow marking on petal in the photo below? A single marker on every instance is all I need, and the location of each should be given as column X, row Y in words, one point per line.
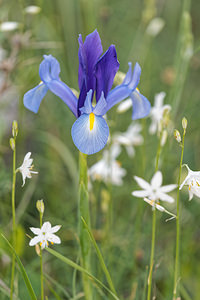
column 137, row 90
column 41, row 244
column 91, row 119
column 41, row 82
column 52, row 243
column 189, row 188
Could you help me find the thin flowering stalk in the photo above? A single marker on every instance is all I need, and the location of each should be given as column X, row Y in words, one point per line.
column 83, row 211
column 13, row 147
column 153, row 229
column 176, row 270
column 41, row 264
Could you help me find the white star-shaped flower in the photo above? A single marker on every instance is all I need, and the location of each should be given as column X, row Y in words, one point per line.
column 108, row 169
column 157, row 112
column 130, row 138
column 193, row 182
column 26, row 167
column 154, row 191
column 44, row 235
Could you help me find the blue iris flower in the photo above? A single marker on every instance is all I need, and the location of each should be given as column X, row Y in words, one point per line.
column 95, row 76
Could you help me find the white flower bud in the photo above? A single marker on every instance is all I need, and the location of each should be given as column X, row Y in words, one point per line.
column 177, row 135
column 184, row 123
column 12, row 144
column 14, row 129
column 163, row 138
column 40, row 206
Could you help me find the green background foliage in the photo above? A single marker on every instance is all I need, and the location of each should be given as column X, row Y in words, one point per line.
column 126, row 246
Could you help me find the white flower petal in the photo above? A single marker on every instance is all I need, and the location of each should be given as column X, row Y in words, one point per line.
column 142, row 183
column 184, row 182
column 35, row 240
column 140, row 194
column 190, row 194
column 165, row 197
column 55, row 228
column 35, row 230
column 167, row 188
column 156, row 180
column 46, row 227
column 54, row 239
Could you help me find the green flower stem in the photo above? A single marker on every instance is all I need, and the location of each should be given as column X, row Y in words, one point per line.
column 83, row 211
column 13, row 218
column 176, row 270
column 153, row 229
column 41, row 264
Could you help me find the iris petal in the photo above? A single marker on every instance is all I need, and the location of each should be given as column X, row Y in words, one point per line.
column 106, row 68
column 101, row 104
column 49, row 69
column 86, row 140
column 61, row 90
column 124, row 90
column 87, row 108
column 141, row 106
column 89, row 53
column 33, row 98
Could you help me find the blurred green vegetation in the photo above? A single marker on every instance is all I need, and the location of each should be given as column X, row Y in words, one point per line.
column 47, row 135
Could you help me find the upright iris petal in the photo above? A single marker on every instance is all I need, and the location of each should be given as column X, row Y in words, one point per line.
column 89, row 53
column 90, row 131
column 106, row 68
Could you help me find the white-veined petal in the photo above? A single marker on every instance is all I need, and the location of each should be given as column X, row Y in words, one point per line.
column 90, row 141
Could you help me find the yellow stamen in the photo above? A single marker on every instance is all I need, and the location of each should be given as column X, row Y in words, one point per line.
column 91, row 119
column 52, row 243
column 197, row 183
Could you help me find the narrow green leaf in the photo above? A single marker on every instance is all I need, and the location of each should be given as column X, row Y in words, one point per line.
column 100, row 257
column 79, row 268
column 23, row 271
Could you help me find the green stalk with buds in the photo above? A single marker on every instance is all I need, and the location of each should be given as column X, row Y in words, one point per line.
column 177, row 136
column 13, row 147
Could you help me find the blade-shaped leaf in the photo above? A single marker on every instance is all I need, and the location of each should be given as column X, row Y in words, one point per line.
column 23, row 271
column 79, row 268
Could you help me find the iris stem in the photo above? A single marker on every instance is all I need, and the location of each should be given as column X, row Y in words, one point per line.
column 41, row 264
column 176, row 270
column 149, row 283
column 83, row 211
column 13, row 219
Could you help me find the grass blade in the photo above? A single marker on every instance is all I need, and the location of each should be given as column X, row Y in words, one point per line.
column 100, row 257
column 79, row 268
column 23, row 271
